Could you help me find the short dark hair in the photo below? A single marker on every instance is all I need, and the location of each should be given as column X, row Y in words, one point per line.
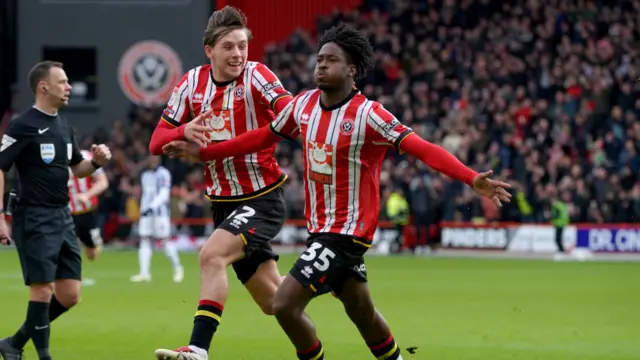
column 40, row 72
column 354, row 44
column 224, row 21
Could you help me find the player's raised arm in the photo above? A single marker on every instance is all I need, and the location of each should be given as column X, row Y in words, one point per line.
column 176, row 122
column 436, row 157
column 284, row 126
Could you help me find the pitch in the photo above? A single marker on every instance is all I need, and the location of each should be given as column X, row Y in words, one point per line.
column 448, row 308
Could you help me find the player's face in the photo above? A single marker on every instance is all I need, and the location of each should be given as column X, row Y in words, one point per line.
column 229, row 55
column 56, row 88
column 332, row 68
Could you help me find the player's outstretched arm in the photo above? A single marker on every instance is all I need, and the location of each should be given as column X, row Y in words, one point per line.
column 441, row 160
column 194, row 130
column 247, row 143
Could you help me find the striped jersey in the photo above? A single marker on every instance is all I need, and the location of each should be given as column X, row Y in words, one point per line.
column 344, row 147
column 156, row 191
column 239, row 106
column 81, row 185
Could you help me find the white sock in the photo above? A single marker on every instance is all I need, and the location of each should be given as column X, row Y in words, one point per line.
column 171, row 251
column 197, row 350
column 144, row 256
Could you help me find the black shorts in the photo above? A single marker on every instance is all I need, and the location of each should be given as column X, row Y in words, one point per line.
column 87, row 229
column 47, row 244
column 330, row 259
column 257, row 221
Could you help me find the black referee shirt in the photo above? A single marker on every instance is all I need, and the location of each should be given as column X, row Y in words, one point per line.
column 42, row 147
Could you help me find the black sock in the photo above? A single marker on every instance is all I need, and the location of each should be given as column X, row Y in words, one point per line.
column 316, row 352
column 38, row 327
column 20, row 339
column 205, row 323
column 559, row 242
column 386, row 349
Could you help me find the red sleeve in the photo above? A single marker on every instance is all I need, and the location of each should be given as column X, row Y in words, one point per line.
column 247, row 143
column 163, row 134
column 438, row 158
column 280, row 103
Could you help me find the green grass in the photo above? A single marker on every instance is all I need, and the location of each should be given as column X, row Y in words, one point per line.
column 448, row 308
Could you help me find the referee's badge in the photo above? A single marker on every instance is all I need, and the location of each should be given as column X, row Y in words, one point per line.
column 47, row 152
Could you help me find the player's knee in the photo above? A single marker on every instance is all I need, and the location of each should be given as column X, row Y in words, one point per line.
column 211, row 260
column 281, row 307
column 266, row 307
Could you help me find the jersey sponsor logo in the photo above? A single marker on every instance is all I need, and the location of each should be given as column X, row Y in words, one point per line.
column 238, row 93
column 347, row 126
column 69, row 151
column 47, row 152
column 148, row 72
column 321, row 162
column 220, row 122
column 6, row 142
column 42, row 131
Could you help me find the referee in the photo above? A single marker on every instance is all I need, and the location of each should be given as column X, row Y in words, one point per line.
column 43, row 148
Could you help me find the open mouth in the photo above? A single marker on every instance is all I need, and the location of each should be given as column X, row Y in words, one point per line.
column 235, row 64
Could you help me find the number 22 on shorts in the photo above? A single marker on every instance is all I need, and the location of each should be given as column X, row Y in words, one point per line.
column 322, row 257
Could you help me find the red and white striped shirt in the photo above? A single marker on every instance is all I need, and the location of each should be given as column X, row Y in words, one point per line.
column 239, row 106
column 81, row 185
column 344, row 148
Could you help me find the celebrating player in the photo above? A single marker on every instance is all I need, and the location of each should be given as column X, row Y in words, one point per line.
column 228, row 98
column 345, row 137
column 155, row 220
column 83, row 201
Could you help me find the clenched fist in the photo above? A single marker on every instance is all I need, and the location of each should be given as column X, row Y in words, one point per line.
column 101, row 154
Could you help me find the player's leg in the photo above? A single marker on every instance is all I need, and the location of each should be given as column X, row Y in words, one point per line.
column 163, row 231
column 374, row 329
column 261, row 279
column 311, row 272
column 221, row 249
column 145, row 250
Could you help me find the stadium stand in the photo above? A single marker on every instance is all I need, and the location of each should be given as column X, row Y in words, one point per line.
column 544, row 94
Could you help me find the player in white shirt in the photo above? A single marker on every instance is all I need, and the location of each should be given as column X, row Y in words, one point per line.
column 155, row 220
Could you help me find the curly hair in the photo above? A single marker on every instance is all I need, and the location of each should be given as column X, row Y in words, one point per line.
column 354, row 44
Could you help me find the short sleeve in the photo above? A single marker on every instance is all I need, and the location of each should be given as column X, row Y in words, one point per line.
column 387, row 128
column 178, row 110
column 268, row 85
column 285, row 125
column 76, row 154
column 14, row 141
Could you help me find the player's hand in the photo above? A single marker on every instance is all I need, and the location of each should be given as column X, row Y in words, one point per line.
column 83, row 198
column 101, row 154
column 5, row 239
column 92, row 253
column 196, row 130
column 179, row 148
column 492, row 189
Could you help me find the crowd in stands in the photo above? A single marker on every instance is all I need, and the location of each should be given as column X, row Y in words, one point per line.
column 545, row 93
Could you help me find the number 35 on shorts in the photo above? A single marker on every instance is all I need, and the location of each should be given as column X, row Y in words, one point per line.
column 316, row 261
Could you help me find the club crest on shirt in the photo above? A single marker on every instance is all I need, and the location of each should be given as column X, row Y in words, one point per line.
column 346, row 127
column 220, row 122
column 47, row 152
column 238, row 93
column 321, row 162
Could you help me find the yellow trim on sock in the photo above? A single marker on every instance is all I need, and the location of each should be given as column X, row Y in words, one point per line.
column 208, row 314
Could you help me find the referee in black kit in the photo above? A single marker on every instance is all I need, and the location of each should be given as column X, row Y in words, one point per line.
column 43, row 148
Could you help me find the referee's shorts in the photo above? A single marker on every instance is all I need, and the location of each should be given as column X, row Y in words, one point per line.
column 47, row 244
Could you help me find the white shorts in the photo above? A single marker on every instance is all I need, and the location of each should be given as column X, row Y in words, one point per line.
column 158, row 227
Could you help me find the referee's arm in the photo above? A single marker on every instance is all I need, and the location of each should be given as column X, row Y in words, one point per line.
column 14, row 141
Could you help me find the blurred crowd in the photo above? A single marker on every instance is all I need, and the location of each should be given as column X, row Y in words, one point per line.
column 544, row 93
